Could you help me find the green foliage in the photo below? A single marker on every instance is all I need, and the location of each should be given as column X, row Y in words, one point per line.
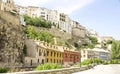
column 48, row 66
column 96, row 60
column 42, row 35
column 90, row 45
column 86, row 62
column 39, row 22
column 93, row 40
column 114, row 61
column 93, row 61
column 60, row 42
column 3, row 70
column 115, row 50
column 105, row 62
column 109, row 42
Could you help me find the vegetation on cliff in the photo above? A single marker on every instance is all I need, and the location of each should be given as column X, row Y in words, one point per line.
column 41, row 35
column 37, row 21
column 115, row 50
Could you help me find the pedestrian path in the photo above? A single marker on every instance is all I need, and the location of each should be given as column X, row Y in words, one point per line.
column 102, row 69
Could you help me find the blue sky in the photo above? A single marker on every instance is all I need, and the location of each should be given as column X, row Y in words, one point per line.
column 100, row 15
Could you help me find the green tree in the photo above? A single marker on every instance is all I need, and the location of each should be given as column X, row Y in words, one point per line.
column 37, row 21
column 41, row 35
column 93, row 40
column 115, row 50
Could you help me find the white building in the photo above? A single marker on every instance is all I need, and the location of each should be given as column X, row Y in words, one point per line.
column 65, row 23
column 95, row 53
column 53, row 16
column 60, row 20
column 35, row 54
column 21, row 9
column 7, row 5
column 93, row 33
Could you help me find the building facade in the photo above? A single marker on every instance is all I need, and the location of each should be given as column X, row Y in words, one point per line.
column 65, row 23
column 95, row 53
column 35, row 53
column 71, row 57
column 53, row 54
column 107, row 38
column 21, row 9
column 78, row 30
column 7, row 5
column 92, row 33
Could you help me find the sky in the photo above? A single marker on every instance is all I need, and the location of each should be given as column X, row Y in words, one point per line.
column 101, row 15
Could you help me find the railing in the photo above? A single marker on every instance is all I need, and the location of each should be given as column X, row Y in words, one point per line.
column 56, row 71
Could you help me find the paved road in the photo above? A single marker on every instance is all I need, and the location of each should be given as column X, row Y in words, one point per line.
column 102, row 69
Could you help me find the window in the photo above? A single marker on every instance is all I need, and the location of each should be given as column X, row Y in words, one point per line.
column 31, row 63
column 39, row 53
column 83, row 51
column 42, row 12
column 47, row 53
column 58, row 55
column 54, row 54
column 42, row 61
column 83, row 55
column 66, row 55
column 38, row 60
column 51, row 60
column 51, row 53
column 44, row 54
column 47, row 59
column 54, row 60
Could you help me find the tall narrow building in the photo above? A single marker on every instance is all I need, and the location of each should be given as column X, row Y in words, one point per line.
column 7, row 5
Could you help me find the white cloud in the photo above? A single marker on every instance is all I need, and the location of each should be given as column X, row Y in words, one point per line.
column 31, row 2
column 70, row 6
column 65, row 6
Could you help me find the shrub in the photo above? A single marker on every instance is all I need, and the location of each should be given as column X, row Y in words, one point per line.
column 40, row 35
column 105, row 62
column 37, row 21
column 93, row 61
column 114, row 61
column 48, row 66
column 3, row 70
column 96, row 60
column 86, row 62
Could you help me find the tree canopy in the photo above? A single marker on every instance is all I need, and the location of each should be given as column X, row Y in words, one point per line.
column 93, row 40
column 115, row 50
column 41, row 35
column 37, row 21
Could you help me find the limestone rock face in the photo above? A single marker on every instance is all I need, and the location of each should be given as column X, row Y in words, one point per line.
column 11, row 43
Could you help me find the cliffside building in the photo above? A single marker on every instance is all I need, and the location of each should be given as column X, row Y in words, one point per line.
column 7, row 5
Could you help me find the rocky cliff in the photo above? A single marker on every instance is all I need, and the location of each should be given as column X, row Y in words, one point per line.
column 11, row 40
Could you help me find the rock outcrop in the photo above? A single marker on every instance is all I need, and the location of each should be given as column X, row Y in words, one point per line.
column 11, row 41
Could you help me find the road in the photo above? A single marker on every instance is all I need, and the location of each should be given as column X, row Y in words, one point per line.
column 102, row 69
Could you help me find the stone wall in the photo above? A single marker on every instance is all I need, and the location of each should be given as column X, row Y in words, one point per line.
column 56, row 32
column 10, row 17
column 11, row 40
column 57, row 71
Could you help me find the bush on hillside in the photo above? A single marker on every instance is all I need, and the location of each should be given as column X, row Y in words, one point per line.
column 39, row 22
column 48, row 66
column 86, row 62
column 93, row 61
column 42, row 35
column 114, row 61
column 3, row 70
